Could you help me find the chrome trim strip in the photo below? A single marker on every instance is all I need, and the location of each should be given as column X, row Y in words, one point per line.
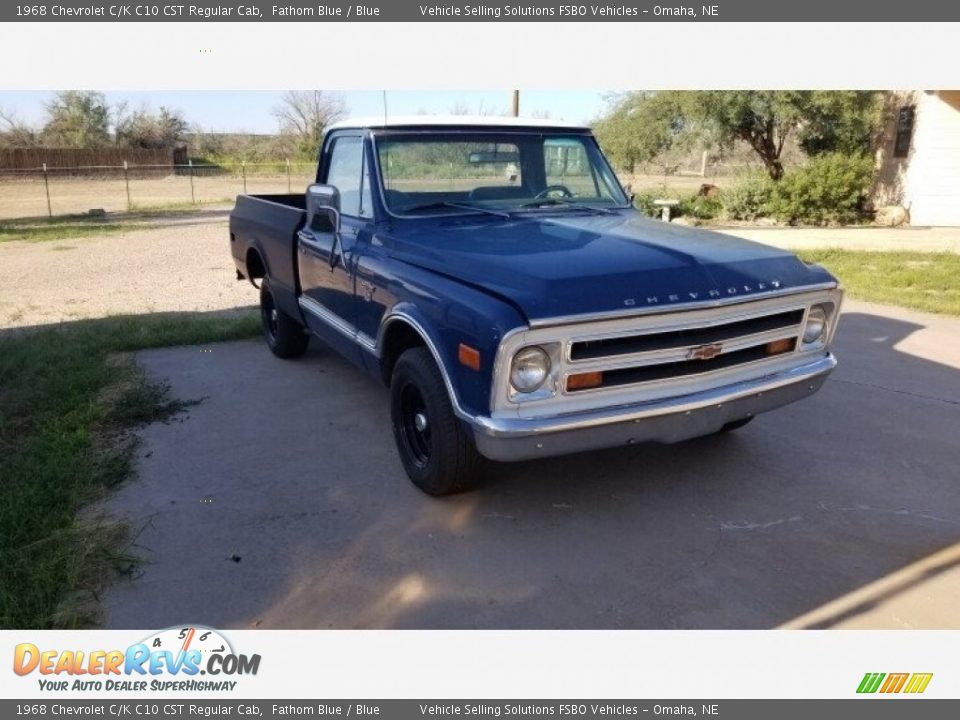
column 516, row 427
column 677, row 308
column 324, row 315
column 400, row 316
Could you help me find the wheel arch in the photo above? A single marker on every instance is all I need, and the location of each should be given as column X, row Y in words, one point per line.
column 255, row 264
column 401, row 331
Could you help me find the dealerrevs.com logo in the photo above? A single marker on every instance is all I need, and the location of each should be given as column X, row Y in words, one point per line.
column 192, row 658
column 894, row 683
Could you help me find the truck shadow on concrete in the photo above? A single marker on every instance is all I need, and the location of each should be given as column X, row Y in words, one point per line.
column 280, row 503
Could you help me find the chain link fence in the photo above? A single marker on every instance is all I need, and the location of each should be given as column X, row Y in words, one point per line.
column 51, row 191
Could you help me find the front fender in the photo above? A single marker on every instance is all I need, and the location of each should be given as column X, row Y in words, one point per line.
column 462, row 315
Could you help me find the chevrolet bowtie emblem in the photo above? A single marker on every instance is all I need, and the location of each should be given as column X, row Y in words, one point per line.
column 705, row 352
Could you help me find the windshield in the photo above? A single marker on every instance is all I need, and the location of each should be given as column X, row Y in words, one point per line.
column 501, row 172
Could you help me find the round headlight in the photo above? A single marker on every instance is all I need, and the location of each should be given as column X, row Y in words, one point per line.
column 529, row 369
column 816, row 324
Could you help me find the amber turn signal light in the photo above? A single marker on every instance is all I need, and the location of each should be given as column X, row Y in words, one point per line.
column 584, row 381
column 469, row 356
column 778, row 347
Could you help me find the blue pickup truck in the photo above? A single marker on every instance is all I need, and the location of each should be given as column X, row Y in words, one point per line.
column 494, row 275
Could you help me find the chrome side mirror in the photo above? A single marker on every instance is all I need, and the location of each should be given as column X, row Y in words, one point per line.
column 323, row 208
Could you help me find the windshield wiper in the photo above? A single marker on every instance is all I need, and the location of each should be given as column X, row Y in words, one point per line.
column 460, row 206
column 553, row 202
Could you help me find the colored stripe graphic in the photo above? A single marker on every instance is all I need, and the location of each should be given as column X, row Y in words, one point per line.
column 894, row 683
column 870, row 682
column 918, row 682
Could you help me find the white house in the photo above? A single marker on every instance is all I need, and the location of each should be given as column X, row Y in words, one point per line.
column 919, row 156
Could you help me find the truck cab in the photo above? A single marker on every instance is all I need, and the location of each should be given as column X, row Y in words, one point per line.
column 494, row 275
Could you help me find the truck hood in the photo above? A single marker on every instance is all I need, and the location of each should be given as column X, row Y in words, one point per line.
column 578, row 263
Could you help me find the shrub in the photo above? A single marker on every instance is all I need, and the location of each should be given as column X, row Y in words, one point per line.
column 829, row 189
column 699, row 207
column 749, row 197
column 643, row 201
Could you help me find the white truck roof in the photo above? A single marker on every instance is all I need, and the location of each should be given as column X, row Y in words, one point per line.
column 452, row 121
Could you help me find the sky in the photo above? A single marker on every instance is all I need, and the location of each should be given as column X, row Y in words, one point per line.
column 251, row 111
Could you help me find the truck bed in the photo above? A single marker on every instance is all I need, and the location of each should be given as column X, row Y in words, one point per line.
column 269, row 224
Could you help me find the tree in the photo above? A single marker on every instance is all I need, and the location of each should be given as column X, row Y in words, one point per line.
column 14, row 133
column 639, row 127
column 79, row 119
column 150, row 131
column 822, row 121
column 306, row 114
column 841, row 121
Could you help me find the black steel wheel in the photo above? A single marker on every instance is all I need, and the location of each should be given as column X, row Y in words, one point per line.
column 435, row 448
column 285, row 337
column 415, row 424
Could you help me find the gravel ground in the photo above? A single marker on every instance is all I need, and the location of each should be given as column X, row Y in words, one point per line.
column 183, row 265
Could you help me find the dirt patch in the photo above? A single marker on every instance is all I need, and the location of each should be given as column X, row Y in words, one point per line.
column 185, row 265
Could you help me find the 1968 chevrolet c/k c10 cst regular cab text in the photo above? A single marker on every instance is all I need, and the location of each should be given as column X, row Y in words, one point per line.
column 494, row 275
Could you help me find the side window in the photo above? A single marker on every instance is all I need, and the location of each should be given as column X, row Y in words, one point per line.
column 349, row 174
column 567, row 165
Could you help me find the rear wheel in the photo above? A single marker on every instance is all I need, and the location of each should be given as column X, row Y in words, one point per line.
column 437, row 453
column 735, row 425
column 285, row 337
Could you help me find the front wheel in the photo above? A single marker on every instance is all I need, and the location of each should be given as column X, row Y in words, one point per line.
column 285, row 337
column 437, row 453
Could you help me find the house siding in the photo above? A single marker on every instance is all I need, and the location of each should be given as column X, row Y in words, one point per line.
column 931, row 186
column 927, row 180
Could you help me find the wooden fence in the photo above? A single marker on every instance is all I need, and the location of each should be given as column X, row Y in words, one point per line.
column 70, row 158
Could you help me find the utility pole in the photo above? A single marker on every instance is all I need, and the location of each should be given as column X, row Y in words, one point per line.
column 516, row 103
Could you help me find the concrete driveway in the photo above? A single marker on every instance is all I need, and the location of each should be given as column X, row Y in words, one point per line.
column 278, row 501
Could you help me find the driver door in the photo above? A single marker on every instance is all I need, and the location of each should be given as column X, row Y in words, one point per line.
column 327, row 262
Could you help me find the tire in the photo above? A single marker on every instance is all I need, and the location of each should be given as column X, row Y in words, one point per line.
column 437, row 453
column 285, row 337
column 734, row 425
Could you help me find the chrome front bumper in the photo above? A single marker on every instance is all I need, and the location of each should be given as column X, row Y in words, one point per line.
column 668, row 420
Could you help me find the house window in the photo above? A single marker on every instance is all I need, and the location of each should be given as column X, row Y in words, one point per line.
column 901, row 146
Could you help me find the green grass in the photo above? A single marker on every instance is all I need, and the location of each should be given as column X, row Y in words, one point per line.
column 62, row 227
column 69, row 227
column 921, row 281
column 177, row 208
column 69, row 399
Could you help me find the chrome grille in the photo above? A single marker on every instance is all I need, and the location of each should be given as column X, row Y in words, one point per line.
column 659, row 353
column 693, row 337
column 649, row 354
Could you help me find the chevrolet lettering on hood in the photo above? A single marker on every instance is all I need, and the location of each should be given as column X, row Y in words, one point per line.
column 713, row 293
column 493, row 274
